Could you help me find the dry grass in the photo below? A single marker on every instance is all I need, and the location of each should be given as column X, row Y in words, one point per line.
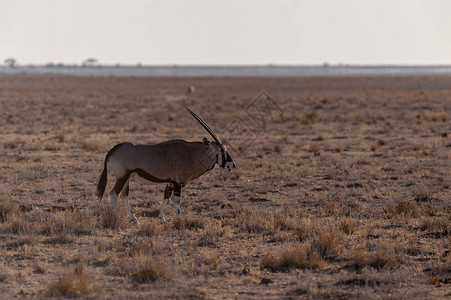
column 326, row 244
column 72, row 284
column 301, row 256
column 8, row 211
column 311, row 211
column 114, row 219
column 142, row 268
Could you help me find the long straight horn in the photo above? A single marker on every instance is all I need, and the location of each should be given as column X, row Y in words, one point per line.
column 210, row 131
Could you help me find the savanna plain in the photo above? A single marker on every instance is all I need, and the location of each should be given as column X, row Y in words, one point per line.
column 342, row 189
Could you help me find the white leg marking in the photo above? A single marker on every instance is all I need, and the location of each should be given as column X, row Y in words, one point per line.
column 163, row 205
column 176, row 200
column 113, row 198
column 127, row 206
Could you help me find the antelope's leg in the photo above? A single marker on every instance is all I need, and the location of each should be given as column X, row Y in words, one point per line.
column 118, row 186
column 176, row 198
column 124, row 195
column 167, row 195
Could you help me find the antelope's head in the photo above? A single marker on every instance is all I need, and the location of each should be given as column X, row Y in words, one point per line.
column 224, row 160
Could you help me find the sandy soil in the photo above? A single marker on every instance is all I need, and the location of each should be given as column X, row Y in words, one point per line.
column 342, row 189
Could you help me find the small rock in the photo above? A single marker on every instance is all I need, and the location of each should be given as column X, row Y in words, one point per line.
column 266, row 281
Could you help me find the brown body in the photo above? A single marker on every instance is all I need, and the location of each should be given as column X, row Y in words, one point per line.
column 173, row 161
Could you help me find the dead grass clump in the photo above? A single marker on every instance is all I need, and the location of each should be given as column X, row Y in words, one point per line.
column 284, row 219
column 146, row 269
column 407, row 208
column 359, row 257
column 17, row 226
column 306, row 229
column 210, row 260
column 422, row 193
column 210, row 235
column 381, row 142
column 68, row 222
column 187, row 223
column 138, row 249
column 436, row 224
column 148, row 229
column 72, row 284
column 348, row 225
column 38, row 267
column 113, row 219
column 326, row 244
column 4, row 275
column 277, row 149
column 294, row 257
column 254, row 221
column 438, row 117
column 384, row 257
column 315, row 148
column 8, row 211
column 90, row 146
column 441, row 273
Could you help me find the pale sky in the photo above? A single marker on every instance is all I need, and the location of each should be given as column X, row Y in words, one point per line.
column 413, row 32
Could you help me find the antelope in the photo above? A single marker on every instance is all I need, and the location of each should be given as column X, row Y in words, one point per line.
column 174, row 162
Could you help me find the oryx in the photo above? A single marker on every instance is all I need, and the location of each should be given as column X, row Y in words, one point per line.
column 173, row 162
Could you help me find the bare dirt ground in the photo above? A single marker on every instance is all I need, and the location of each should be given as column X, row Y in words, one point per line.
column 342, row 189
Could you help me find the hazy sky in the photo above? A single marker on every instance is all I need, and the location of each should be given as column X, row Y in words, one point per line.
column 226, row 32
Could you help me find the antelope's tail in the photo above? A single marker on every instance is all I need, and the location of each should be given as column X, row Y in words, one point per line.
column 104, row 177
column 103, row 180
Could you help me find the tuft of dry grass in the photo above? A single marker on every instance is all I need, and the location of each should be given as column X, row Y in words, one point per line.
column 407, row 208
column 278, row 149
column 8, row 211
column 68, row 222
column 441, row 274
column 148, row 229
column 300, row 256
column 348, row 225
column 90, row 146
column 113, row 218
column 141, row 248
column 326, row 245
column 143, row 268
column 254, row 221
column 384, row 257
column 315, row 148
column 72, row 284
column 436, row 224
column 422, row 193
column 210, row 235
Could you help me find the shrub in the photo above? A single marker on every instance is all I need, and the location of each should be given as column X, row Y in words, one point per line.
column 326, row 244
column 8, row 211
column 254, row 221
column 294, row 257
column 113, row 218
column 147, row 269
column 348, row 225
column 148, row 229
column 72, row 284
column 407, row 208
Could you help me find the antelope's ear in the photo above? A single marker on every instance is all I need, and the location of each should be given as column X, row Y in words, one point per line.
column 205, row 141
